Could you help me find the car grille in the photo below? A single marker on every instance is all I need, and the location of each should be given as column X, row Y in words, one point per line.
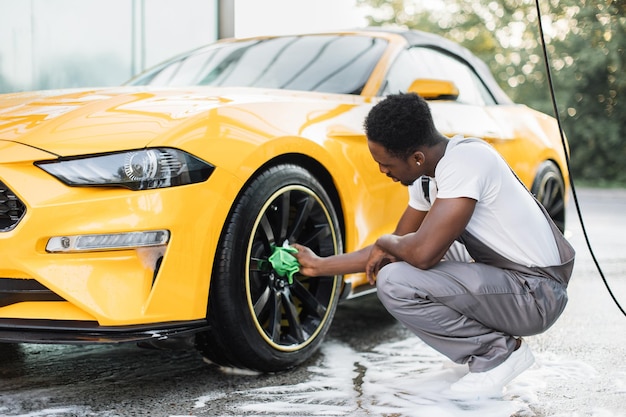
column 14, row 290
column 11, row 209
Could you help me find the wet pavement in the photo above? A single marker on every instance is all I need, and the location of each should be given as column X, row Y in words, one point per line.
column 369, row 365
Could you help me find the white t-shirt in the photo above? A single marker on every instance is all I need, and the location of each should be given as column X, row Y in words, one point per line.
column 506, row 217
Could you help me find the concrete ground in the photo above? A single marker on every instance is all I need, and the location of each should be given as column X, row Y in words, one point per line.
column 592, row 330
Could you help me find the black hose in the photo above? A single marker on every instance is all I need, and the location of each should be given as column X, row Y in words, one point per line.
column 571, row 180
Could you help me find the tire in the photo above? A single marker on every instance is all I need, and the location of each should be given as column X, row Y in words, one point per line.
column 257, row 319
column 549, row 189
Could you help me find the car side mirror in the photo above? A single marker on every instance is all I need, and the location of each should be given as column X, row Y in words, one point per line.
column 431, row 89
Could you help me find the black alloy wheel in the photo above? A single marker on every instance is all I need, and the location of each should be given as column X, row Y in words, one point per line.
column 258, row 319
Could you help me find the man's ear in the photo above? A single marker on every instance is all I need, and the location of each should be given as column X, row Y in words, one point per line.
column 418, row 158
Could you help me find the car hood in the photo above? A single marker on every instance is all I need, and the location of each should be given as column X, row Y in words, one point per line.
column 82, row 121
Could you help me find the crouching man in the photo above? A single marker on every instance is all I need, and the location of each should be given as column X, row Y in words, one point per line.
column 460, row 190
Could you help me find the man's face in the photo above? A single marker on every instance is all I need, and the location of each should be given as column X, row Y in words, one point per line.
column 403, row 170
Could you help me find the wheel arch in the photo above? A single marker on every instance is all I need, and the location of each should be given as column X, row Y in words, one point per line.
column 319, row 171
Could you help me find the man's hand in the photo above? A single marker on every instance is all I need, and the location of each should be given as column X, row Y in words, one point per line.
column 377, row 259
column 312, row 265
column 307, row 259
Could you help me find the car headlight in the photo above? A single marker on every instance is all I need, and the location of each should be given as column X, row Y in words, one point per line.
column 141, row 169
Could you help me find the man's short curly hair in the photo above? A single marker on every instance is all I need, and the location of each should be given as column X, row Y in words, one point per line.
column 401, row 123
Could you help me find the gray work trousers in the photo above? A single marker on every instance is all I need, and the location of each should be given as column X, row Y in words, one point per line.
column 472, row 312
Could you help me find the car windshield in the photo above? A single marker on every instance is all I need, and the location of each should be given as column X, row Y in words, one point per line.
column 325, row 63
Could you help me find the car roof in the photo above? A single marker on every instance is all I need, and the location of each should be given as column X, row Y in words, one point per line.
column 425, row 39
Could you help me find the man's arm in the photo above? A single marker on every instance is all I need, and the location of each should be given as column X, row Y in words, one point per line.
column 353, row 262
column 425, row 247
column 410, row 221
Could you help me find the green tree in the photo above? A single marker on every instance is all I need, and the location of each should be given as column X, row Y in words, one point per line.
column 502, row 33
column 589, row 66
column 585, row 41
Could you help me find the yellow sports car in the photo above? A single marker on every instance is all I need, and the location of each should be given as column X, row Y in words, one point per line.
column 149, row 212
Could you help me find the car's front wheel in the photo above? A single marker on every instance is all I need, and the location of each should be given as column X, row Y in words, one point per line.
column 258, row 319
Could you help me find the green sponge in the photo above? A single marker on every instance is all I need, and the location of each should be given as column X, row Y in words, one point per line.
column 283, row 262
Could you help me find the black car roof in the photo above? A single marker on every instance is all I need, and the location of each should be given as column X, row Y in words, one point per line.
column 426, row 39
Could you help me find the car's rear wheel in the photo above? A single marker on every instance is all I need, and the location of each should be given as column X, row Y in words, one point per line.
column 549, row 189
column 258, row 320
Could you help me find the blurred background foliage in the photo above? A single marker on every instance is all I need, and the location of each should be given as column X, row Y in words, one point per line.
column 585, row 40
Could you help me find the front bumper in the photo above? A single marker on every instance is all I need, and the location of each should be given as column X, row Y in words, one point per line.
column 107, row 288
column 79, row 332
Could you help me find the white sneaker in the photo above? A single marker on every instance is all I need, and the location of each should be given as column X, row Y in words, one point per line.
column 492, row 382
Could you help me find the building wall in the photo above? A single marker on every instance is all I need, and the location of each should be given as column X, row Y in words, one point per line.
column 49, row 44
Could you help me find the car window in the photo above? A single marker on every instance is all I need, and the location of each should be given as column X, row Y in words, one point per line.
column 326, row 63
column 421, row 62
column 402, row 73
